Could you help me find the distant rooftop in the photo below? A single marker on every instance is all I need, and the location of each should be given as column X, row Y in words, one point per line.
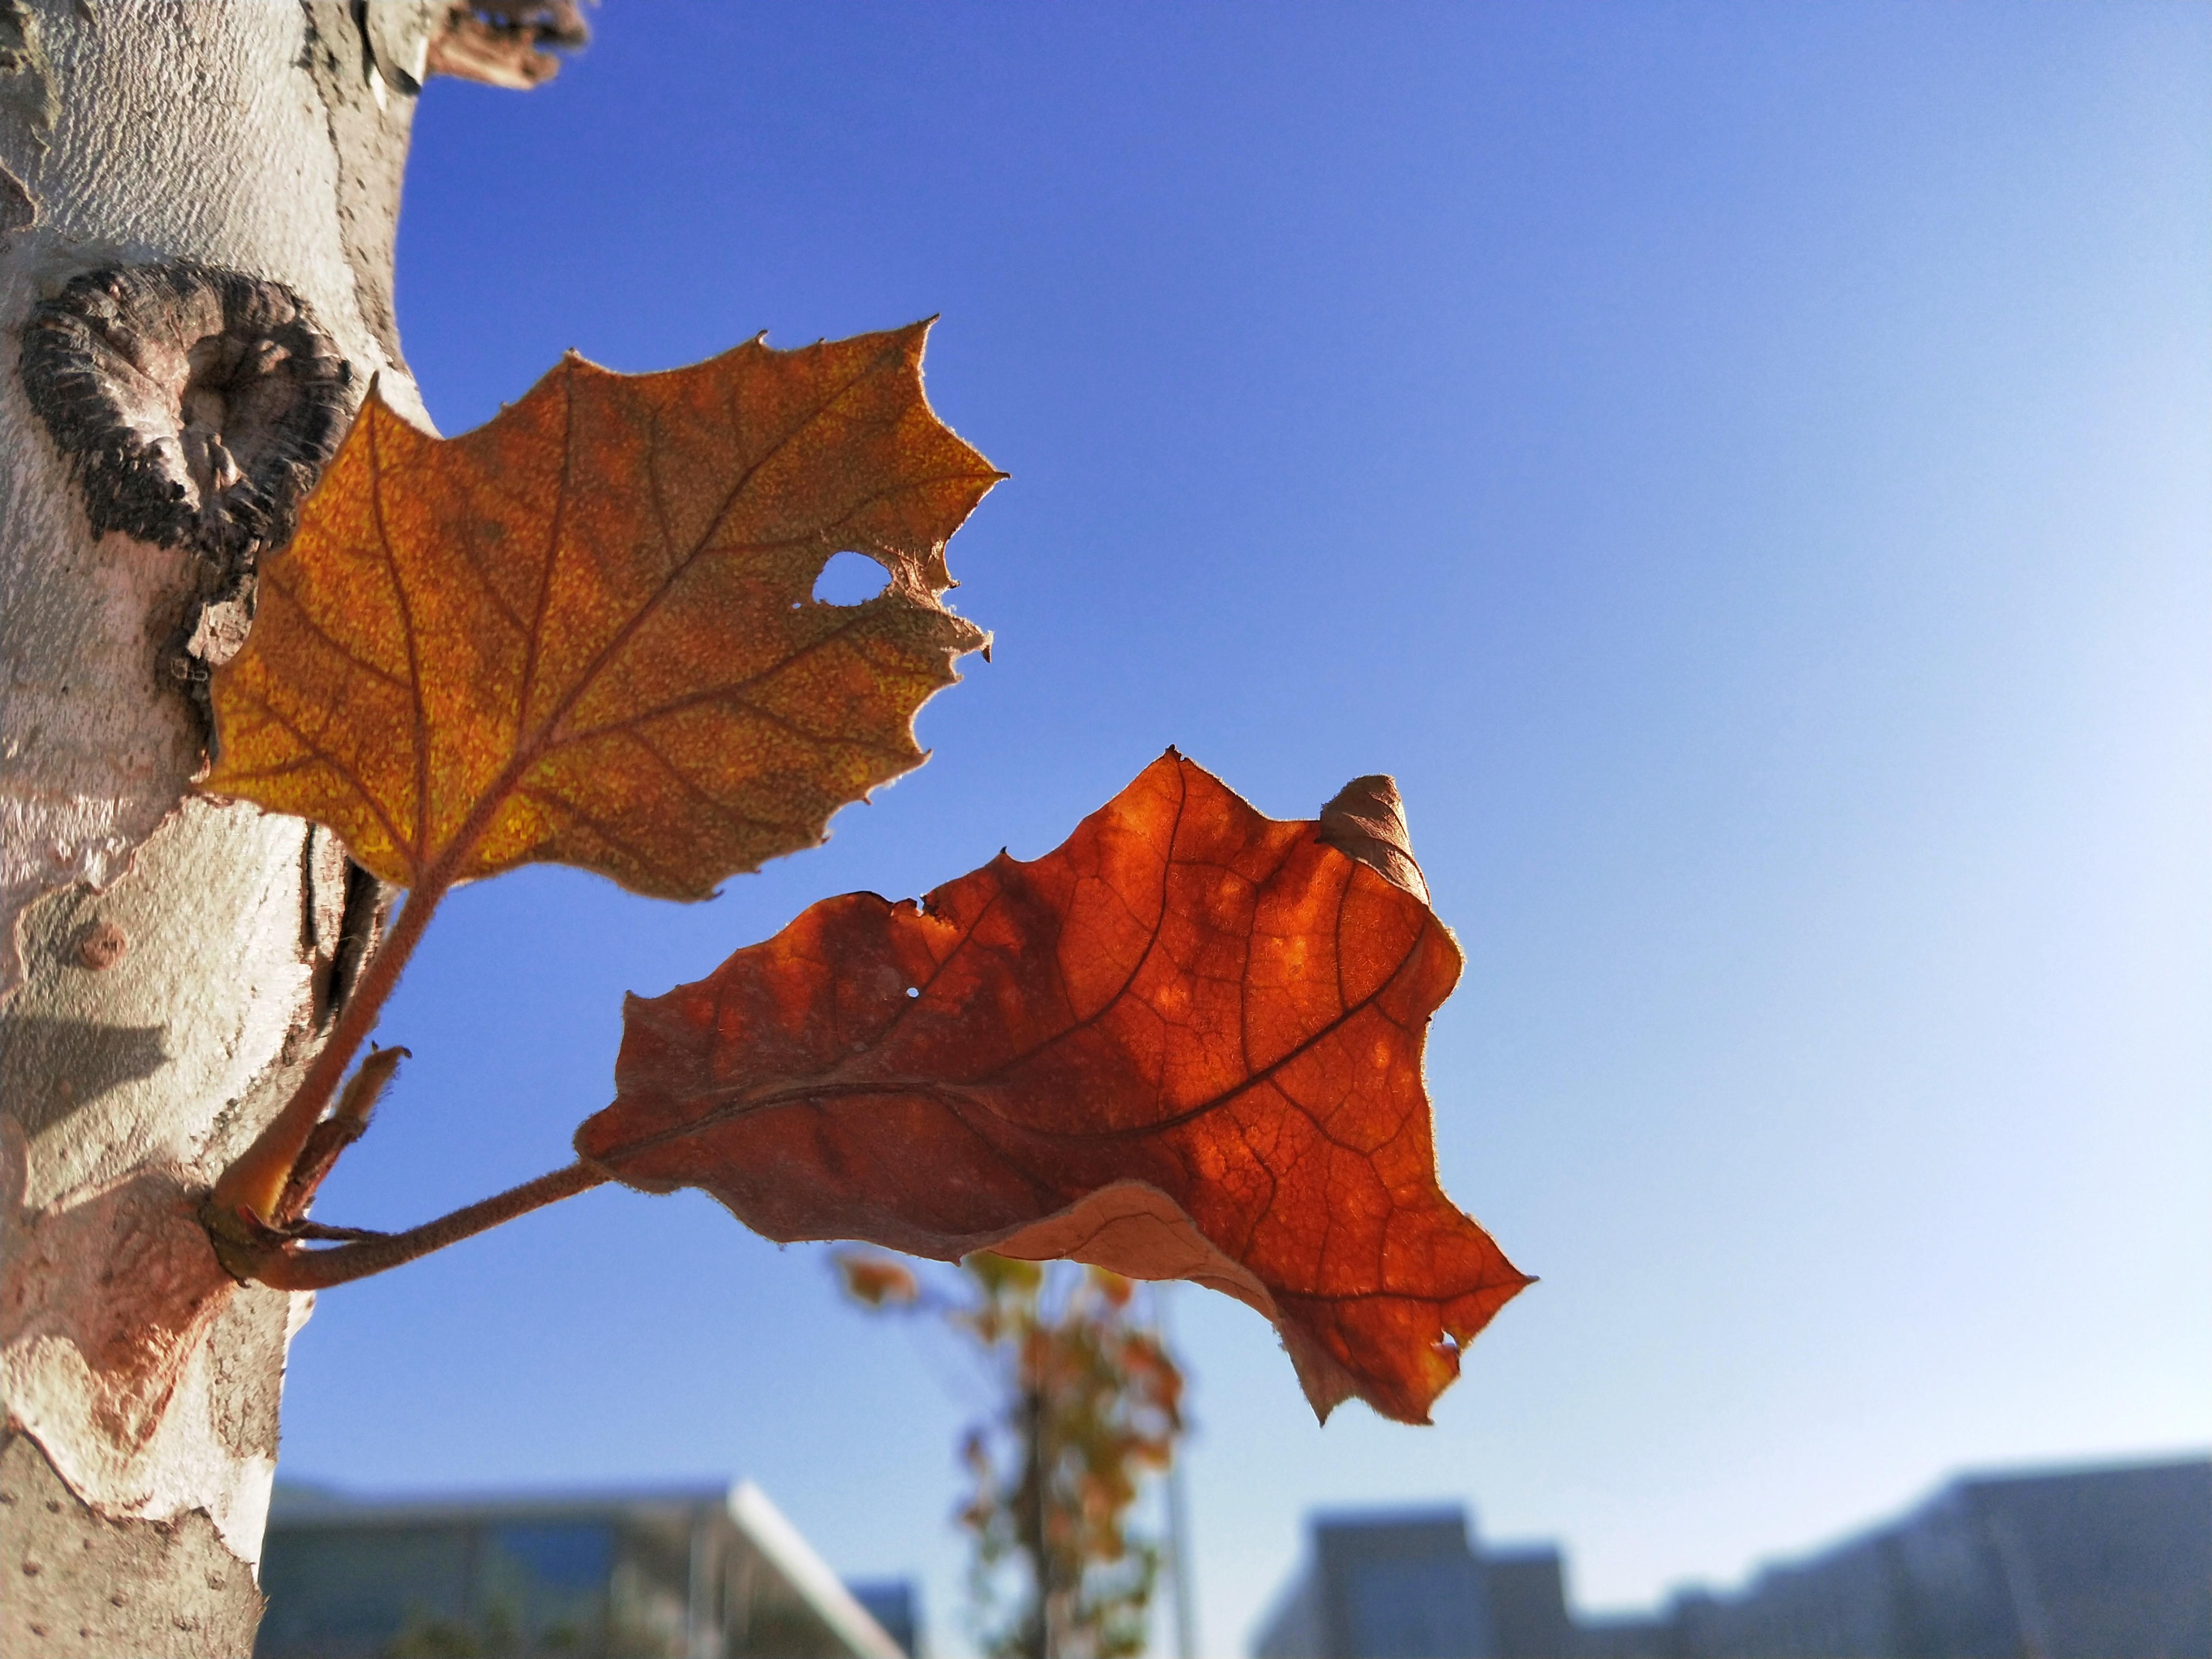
column 2109, row 1561
column 688, row 1572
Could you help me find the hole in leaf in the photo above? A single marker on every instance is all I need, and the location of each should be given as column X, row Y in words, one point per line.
column 913, row 990
column 849, row 579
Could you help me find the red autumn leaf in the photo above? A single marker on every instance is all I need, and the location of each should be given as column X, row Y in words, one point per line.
column 1186, row 1043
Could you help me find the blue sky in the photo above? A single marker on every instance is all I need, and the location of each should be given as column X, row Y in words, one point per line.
column 1747, row 470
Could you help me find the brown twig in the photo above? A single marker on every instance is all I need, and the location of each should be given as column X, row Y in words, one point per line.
column 330, row 1137
column 256, row 1180
column 264, row 1255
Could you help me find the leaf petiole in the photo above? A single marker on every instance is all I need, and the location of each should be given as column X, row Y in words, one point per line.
column 258, row 1181
column 250, row 1251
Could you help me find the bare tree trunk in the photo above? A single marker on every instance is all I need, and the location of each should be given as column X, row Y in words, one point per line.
column 198, row 202
column 1032, row 1505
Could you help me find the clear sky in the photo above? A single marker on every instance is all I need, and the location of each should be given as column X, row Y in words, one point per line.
column 1746, row 469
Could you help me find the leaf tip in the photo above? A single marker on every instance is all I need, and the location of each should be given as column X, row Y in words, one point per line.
column 1366, row 820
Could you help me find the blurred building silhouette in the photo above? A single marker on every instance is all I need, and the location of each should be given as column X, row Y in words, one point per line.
column 699, row 1573
column 894, row 1604
column 1404, row 1585
column 2109, row 1563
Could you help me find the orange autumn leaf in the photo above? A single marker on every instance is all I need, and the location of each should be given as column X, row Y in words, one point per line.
column 878, row 1280
column 584, row 633
column 1185, row 1043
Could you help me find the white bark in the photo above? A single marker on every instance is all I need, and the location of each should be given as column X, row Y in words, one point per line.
column 175, row 132
column 265, row 138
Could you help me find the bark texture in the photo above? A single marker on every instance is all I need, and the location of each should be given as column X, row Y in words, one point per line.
column 75, row 1586
column 172, row 963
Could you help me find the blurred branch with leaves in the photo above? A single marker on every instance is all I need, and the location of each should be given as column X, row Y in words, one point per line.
column 1089, row 1403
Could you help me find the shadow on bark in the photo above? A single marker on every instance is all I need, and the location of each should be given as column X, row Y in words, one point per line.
column 50, row 1067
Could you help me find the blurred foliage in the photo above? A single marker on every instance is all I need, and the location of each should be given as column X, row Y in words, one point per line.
column 426, row 1636
column 1088, row 1403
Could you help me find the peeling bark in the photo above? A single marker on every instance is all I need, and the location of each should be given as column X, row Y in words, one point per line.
column 507, row 43
column 173, row 963
column 74, row 1588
